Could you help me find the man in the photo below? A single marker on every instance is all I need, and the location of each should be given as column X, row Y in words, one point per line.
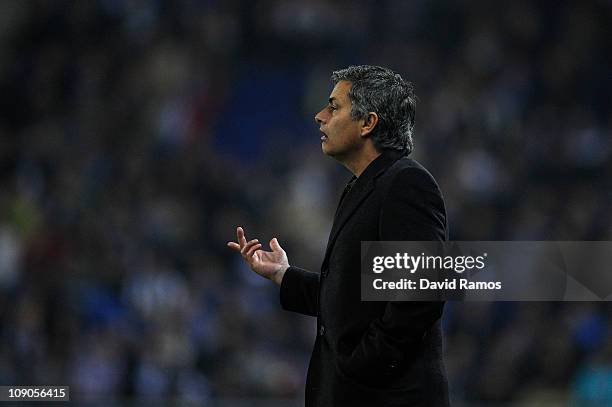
column 367, row 353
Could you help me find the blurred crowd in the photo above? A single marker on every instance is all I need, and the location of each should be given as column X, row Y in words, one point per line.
column 136, row 135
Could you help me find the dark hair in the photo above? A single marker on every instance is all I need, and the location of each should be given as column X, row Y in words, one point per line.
column 380, row 90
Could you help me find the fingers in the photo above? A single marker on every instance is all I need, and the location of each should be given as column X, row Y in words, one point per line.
column 249, row 249
column 241, row 240
column 233, row 245
column 252, row 250
column 248, row 246
column 241, row 236
column 275, row 246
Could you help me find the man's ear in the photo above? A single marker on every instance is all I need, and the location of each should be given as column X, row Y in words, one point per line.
column 369, row 123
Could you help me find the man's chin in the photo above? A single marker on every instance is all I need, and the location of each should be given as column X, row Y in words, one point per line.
column 326, row 150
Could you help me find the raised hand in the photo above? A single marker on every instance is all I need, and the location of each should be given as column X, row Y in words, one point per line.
column 271, row 265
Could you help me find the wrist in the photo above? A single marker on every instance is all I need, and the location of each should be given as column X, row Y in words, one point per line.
column 278, row 276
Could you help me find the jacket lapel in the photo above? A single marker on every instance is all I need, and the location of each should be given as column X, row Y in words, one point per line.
column 352, row 199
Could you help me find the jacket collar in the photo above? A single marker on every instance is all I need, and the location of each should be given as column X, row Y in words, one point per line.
column 380, row 164
column 361, row 189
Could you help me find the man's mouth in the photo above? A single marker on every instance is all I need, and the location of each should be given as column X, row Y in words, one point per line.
column 323, row 136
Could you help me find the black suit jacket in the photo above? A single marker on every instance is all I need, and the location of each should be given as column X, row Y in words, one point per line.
column 373, row 353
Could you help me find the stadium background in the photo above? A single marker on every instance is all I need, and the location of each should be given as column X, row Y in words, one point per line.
column 135, row 136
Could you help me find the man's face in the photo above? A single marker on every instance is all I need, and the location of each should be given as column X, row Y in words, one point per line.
column 340, row 134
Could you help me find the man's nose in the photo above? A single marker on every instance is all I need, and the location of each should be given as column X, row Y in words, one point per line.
column 318, row 118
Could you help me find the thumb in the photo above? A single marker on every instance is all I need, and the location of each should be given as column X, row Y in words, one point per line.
column 275, row 245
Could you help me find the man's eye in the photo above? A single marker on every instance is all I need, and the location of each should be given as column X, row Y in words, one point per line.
column 332, row 107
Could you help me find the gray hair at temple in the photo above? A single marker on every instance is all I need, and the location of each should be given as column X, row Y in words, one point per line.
column 380, row 90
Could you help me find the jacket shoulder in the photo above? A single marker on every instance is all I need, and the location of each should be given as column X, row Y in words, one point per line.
column 413, row 204
column 410, row 171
